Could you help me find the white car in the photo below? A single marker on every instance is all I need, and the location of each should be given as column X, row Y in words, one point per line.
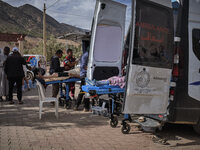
column 34, row 61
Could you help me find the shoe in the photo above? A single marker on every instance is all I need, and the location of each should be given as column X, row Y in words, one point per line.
column 68, row 104
column 85, row 110
column 23, row 89
column 75, row 109
column 70, row 99
column 28, row 88
column 68, row 107
column 7, row 98
column 53, row 103
column 11, row 102
column 73, row 99
column 20, row 102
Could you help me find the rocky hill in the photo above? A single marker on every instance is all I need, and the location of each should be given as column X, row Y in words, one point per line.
column 28, row 19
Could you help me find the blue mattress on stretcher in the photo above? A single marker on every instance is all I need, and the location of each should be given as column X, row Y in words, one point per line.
column 104, row 89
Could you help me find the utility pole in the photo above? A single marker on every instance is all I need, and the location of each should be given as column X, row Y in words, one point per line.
column 21, row 45
column 44, row 32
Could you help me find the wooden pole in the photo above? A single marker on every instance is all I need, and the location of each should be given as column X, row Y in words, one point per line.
column 21, row 47
column 21, row 44
column 44, row 32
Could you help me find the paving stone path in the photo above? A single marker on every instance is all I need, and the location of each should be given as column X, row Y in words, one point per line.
column 21, row 129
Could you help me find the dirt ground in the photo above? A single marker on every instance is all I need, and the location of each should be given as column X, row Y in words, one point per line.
column 20, row 128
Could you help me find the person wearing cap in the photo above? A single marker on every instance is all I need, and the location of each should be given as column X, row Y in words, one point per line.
column 15, row 73
column 16, row 47
column 24, row 68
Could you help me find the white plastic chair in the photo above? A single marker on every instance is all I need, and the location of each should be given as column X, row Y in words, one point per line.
column 44, row 99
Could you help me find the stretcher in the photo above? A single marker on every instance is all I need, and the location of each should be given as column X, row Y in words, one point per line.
column 104, row 89
column 115, row 103
column 61, row 81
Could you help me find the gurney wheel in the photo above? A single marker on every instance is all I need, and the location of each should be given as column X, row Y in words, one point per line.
column 125, row 128
column 114, row 122
column 104, row 113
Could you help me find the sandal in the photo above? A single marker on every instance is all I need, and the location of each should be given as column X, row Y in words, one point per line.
column 21, row 102
column 11, row 102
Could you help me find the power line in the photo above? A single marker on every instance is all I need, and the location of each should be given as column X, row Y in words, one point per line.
column 53, row 3
column 76, row 15
column 11, row 0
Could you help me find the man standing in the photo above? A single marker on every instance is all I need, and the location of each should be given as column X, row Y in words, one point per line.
column 55, row 68
column 15, row 74
column 83, row 72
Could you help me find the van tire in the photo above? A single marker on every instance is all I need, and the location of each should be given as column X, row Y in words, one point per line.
column 197, row 127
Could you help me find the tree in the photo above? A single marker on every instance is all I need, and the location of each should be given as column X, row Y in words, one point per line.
column 52, row 47
column 76, row 50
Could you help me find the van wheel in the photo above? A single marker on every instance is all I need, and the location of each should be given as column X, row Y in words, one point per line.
column 197, row 127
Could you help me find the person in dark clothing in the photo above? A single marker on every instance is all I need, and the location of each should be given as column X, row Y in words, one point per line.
column 15, row 73
column 83, row 71
column 55, row 68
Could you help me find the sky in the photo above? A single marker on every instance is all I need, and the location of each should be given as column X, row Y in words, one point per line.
column 78, row 13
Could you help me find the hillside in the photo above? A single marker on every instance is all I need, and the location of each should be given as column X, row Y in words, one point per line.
column 27, row 19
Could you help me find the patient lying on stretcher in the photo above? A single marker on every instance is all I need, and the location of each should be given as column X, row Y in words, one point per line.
column 71, row 73
column 115, row 81
column 41, row 77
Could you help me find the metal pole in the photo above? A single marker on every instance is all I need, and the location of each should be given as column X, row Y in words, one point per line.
column 44, row 32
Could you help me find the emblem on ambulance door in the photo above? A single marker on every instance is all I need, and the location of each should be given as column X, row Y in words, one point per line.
column 143, row 78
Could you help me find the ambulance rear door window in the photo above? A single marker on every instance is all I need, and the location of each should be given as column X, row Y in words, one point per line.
column 153, row 44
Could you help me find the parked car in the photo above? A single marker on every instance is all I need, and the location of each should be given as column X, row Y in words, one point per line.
column 37, row 61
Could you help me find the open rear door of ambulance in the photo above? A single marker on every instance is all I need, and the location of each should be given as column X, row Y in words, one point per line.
column 151, row 57
column 105, row 56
